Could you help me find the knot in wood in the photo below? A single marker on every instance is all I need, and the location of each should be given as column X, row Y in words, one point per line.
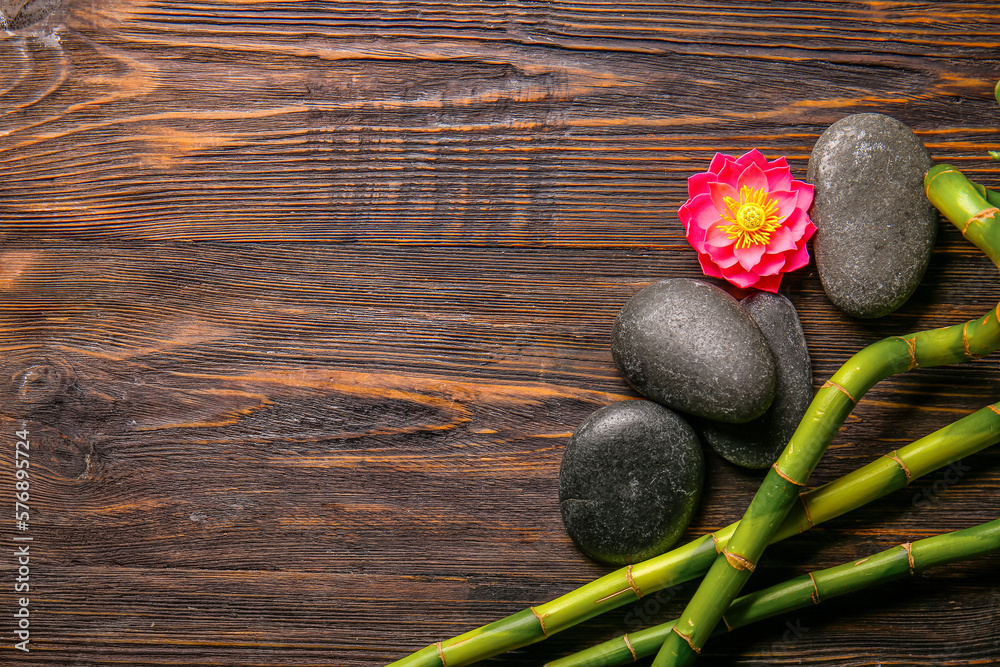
column 39, row 383
column 17, row 14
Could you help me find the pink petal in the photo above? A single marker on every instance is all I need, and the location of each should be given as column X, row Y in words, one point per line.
column 768, row 283
column 718, row 247
column 782, row 240
column 719, row 193
column 724, row 256
column 739, row 276
column 701, row 211
column 780, row 163
column 706, row 239
column 718, row 162
column 778, row 178
column 805, row 193
column 708, row 267
column 799, row 223
column 752, row 177
column 684, row 213
column 796, row 259
column 753, row 156
column 786, row 201
column 809, row 231
column 696, row 238
column 749, row 256
column 730, row 173
column 770, row 264
column 718, row 237
column 698, row 184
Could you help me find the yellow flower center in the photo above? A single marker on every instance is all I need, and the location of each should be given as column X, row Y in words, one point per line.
column 751, row 219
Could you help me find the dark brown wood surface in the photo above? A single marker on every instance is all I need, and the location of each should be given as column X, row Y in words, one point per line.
column 301, row 301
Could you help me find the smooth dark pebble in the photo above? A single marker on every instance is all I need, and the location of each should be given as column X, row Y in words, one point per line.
column 875, row 228
column 758, row 443
column 630, row 481
column 691, row 347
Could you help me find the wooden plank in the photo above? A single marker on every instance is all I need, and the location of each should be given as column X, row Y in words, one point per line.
column 226, row 412
column 438, row 123
column 329, row 431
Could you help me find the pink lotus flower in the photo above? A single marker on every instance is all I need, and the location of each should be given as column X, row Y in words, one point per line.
column 748, row 220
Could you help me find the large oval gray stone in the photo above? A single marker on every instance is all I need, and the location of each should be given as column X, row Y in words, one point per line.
column 875, row 228
column 690, row 346
column 758, row 443
column 630, row 481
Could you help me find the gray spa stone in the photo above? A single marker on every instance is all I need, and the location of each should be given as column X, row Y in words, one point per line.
column 875, row 228
column 758, row 443
column 690, row 346
column 630, row 481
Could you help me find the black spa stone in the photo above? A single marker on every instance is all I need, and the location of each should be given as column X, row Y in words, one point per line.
column 630, row 481
column 690, row 346
column 875, row 228
column 757, row 444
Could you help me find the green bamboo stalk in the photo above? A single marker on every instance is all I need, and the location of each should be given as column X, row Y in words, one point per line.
column 805, row 591
column 978, row 221
column 967, row 206
column 991, row 196
column 888, row 473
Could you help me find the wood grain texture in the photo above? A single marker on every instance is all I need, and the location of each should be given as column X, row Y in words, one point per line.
column 301, row 301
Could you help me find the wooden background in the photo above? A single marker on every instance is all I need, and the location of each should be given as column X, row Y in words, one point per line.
column 301, row 301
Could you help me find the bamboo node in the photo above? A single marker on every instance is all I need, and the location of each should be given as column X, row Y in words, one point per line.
column 831, row 383
column 966, row 343
column 715, row 540
column 786, row 477
column 911, row 346
column 738, row 562
column 632, row 586
column 994, row 408
column 815, row 593
column 861, row 561
column 895, row 457
column 541, row 621
column 979, row 217
column 687, row 639
column 927, row 186
column 729, row 628
column 805, row 508
column 982, row 215
column 631, row 582
column 909, row 555
column 635, row 658
column 441, row 654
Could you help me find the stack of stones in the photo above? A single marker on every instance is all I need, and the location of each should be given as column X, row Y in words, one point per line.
column 736, row 374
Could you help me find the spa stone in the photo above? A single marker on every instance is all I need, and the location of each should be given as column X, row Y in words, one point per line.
column 691, row 347
column 875, row 228
column 757, row 444
column 630, row 481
